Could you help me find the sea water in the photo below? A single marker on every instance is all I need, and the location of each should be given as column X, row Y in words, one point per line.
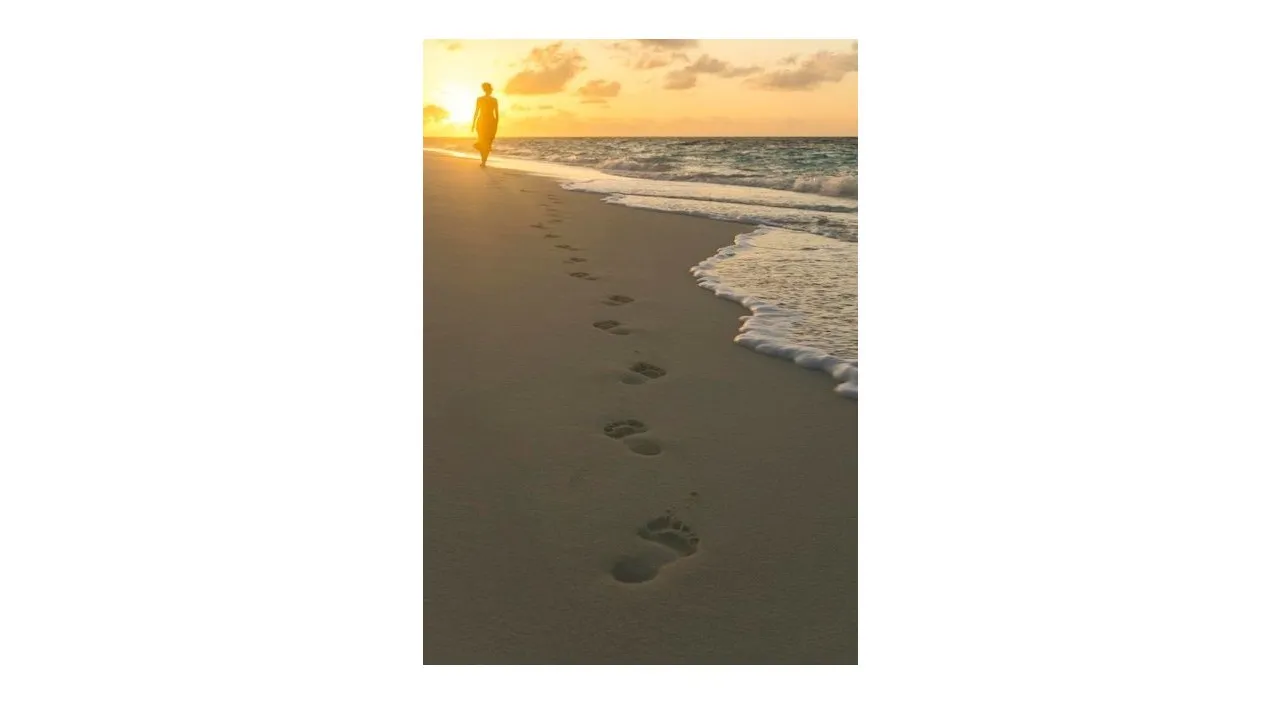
column 796, row 269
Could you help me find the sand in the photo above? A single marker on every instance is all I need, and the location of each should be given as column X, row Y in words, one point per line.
column 546, row 457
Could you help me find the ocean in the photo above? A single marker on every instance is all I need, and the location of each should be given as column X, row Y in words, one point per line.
column 795, row 268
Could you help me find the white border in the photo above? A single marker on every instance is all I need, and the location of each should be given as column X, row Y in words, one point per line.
column 210, row 281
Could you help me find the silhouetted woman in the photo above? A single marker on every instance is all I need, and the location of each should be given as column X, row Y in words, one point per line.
column 486, row 118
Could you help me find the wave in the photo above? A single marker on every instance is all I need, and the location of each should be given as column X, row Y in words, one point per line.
column 844, row 186
column 628, row 165
column 677, row 167
column 837, row 186
column 766, row 329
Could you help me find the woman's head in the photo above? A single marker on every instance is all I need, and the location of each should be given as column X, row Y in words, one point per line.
column 487, row 88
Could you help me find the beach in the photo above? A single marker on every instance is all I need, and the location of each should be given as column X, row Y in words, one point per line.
column 609, row 479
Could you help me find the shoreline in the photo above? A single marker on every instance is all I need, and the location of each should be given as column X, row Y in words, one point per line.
column 762, row 327
column 536, row 502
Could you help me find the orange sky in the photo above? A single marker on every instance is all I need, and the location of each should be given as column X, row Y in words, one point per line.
column 644, row 87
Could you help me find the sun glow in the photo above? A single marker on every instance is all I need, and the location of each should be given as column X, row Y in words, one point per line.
column 460, row 102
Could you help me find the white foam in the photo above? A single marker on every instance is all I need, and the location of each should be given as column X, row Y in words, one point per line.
column 788, row 331
column 842, row 226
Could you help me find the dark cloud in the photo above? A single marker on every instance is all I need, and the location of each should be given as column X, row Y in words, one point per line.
column 600, row 89
column 822, row 67
column 687, row 77
column 547, row 70
column 434, row 113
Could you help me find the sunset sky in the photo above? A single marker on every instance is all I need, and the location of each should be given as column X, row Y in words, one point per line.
column 644, row 87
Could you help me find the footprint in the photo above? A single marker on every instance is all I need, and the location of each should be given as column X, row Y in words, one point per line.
column 667, row 531
column 633, row 570
column 671, row 532
column 574, row 260
column 568, row 247
column 652, row 371
column 551, row 236
column 584, row 276
column 617, row 300
column 540, row 226
column 643, row 446
column 622, row 428
column 555, row 220
column 612, row 327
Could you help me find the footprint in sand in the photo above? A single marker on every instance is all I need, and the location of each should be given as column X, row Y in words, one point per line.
column 633, row 570
column 568, row 247
column 665, row 530
column 643, row 446
column 612, row 327
column 624, row 429
column 584, row 276
column 671, row 532
column 551, row 236
column 574, row 260
column 555, row 220
column 540, row 226
column 642, row 372
column 617, row 300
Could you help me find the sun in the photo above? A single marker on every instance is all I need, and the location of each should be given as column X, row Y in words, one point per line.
column 460, row 102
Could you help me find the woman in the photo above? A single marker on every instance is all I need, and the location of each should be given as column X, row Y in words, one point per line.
column 486, row 117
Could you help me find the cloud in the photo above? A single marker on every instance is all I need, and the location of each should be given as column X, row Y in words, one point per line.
column 449, row 44
column 520, row 108
column 680, row 80
column 600, row 89
column 647, row 61
column 547, row 70
column 546, row 107
column 645, row 54
column 822, row 67
column 434, row 113
column 687, row 77
column 597, row 101
column 789, row 60
column 668, row 43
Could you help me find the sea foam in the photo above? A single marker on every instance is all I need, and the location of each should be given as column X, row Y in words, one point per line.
column 798, row 311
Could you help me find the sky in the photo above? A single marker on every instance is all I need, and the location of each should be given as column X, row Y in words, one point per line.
column 644, row 87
